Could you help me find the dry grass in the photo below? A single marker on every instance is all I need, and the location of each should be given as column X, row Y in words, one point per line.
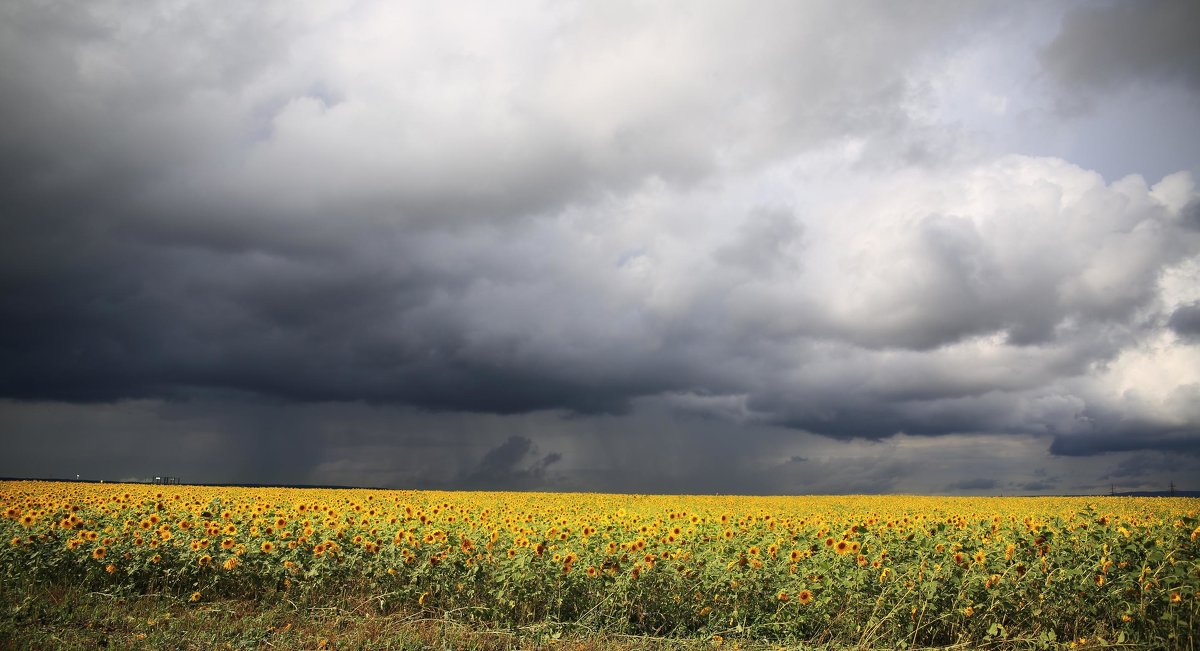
column 61, row 618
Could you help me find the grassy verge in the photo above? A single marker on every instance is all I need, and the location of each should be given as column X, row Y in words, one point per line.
column 65, row 617
column 60, row 617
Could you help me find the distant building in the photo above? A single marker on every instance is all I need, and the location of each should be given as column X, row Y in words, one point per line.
column 166, row 480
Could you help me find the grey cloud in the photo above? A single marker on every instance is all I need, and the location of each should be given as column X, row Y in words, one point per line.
column 865, row 475
column 1135, row 467
column 765, row 243
column 1038, row 486
column 977, row 484
column 1190, row 215
column 513, row 464
column 1110, row 44
column 1185, row 320
column 748, row 219
column 1127, row 437
column 235, row 439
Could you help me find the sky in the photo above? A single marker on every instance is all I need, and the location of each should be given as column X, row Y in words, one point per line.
column 673, row 247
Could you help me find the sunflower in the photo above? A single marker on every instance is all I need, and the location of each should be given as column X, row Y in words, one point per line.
column 805, row 597
column 267, row 546
column 842, row 547
column 99, row 552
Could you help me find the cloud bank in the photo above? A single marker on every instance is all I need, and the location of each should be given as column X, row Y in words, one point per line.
column 776, row 248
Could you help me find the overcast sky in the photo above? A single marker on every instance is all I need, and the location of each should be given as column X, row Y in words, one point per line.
column 738, row 247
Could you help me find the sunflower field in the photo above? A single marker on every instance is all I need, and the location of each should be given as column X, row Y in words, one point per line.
column 875, row 571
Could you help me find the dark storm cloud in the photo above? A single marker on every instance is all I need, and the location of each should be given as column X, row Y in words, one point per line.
column 1038, row 486
column 317, row 226
column 514, row 464
column 1109, row 44
column 1136, row 467
column 1185, row 320
column 977, row 484
column 1176, row 440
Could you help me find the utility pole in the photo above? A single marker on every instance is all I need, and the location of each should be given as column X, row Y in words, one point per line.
column 1172, row 488
column 1112, row 492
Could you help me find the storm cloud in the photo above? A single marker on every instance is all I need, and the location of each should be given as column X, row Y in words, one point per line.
column 595, row 246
